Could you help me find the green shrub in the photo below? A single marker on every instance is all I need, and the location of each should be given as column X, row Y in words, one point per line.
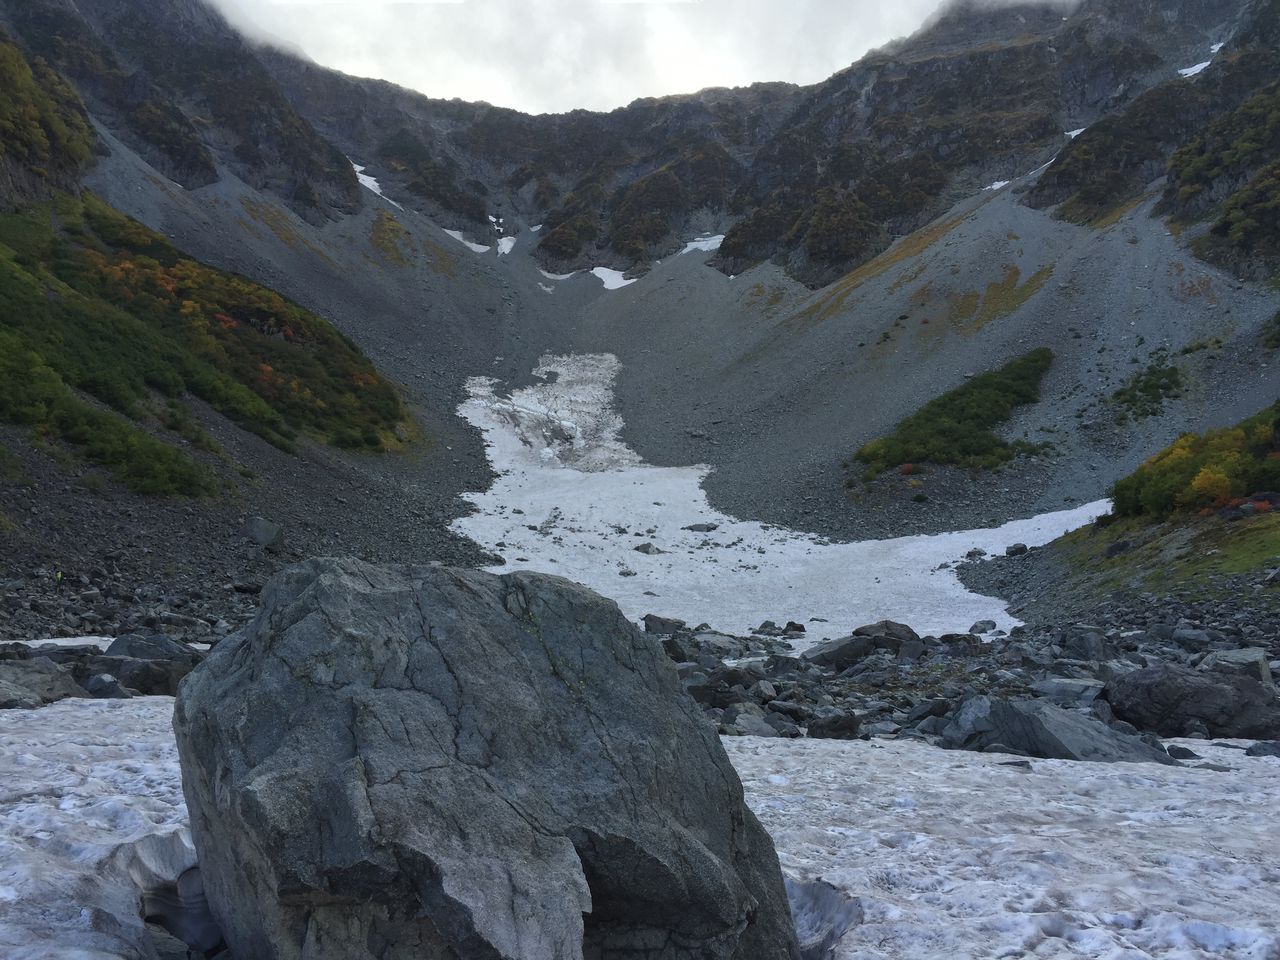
column 957, row 427
column 1145, row 392
column 1200, row 471
column 31, row 393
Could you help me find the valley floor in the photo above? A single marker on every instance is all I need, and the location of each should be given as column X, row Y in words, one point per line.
column 949, row 854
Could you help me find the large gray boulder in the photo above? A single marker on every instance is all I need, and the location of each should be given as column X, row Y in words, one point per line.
column 1173, row 701
column 419, row 762
column 26, row 684
column 1038, row 728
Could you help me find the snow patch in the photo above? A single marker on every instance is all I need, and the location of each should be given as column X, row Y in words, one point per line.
column 998, row 185
column 535, row 229
column 506, row 245
column 100, row 642
column 370, row 183
column 1196, row 70
column 1216, row 47
column 556, row 276
column 546, row 288
column 706, row 243
column 475, row 247
column 612, row 279
column 91, row 814
column 557, row 451
column 953, row 854
column 1075, row 133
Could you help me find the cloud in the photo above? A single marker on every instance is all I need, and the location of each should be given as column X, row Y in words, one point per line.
column 557, row 55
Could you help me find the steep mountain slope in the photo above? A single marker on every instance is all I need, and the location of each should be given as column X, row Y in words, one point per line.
column 772, row 383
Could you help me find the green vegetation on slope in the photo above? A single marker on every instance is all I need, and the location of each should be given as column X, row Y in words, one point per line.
column 91, row 301
column 957, row 427
column 1144, row 394
column 42, row 124
column 1201, row 471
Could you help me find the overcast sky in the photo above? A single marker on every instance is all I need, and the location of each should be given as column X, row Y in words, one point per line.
column 555, row 55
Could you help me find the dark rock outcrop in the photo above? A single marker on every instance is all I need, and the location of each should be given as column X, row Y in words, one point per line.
column 25, row 684
column 1174, row 701
column 424, row 762
column 1037, row 728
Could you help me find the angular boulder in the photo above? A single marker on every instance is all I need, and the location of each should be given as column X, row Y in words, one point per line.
column 1038, row 728
column 419, row 762
column 27, row 684
column 1173, row 701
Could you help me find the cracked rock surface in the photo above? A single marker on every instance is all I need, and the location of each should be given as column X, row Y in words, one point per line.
column 424, row 762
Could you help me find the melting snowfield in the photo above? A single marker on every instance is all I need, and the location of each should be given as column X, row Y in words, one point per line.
column 957, row 855
column 573, row 500
column 91, row 814
column 951, row 855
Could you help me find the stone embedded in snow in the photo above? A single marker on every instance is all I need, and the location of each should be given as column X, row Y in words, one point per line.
column 704, row 243
column 474, row 247
column 954, row 855
column 759, row 572
column 28, row 684
column 410, row 762
column 1038, row 728
column 612, row 279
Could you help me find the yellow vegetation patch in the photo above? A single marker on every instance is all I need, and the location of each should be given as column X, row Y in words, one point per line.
column 277, row 221
column 390, row 238
column 441, row 259
column 912, row 245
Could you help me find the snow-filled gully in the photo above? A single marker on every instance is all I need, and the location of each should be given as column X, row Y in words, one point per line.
column 572, row 499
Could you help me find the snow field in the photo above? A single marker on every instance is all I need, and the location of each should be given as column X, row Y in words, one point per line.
column 590, row 500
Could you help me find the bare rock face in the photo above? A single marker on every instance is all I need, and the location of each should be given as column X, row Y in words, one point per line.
column 419, row 762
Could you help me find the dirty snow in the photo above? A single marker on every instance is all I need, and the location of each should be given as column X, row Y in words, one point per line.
column 950, row 854
column 1196, row 70
column 506, row 245
column 474, row 247
column 591, row 500
column 956, row 855
column 370, row 183
column 91, row 812
column 612, row 279
column 706, row 243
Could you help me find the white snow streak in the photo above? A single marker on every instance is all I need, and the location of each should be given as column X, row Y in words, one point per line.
column 706, row 243
column 556, row 276
column 998, row 185
column 612, row 279
column 369, row 183
column 1075, row 133
column 1216, row 47
column 1196, row 70
column 546, row 288
column 956, row 855
column 560, row 462
column 474, row 247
